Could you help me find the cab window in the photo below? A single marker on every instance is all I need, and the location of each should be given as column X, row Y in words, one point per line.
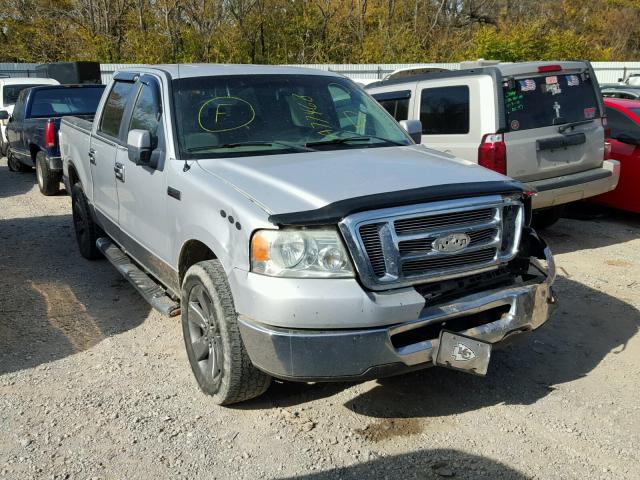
column 445, row 110
column 146, row 112
column 113, row 110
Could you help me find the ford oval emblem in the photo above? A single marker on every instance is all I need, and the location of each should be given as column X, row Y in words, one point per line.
column 451, row 243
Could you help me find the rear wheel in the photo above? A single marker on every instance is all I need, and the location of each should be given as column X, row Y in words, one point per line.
column 547, row 217
column 48, row 180
column 87, row 231
column 217, row 356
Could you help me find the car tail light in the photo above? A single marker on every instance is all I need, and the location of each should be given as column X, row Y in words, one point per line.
column 605, row 125
column 549, row 68
column 492, row 153
column 50, row 134
column 607, row 150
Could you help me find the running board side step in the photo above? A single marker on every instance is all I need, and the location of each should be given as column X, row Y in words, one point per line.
column 150, row 290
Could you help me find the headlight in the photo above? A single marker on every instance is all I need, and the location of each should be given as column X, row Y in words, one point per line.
column 300, row 253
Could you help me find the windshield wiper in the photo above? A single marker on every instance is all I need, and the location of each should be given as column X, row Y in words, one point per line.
column 359, row 138
column 566, row 126
column 290, row 146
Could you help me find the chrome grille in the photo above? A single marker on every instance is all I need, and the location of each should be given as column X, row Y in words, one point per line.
column 414, row 267
column 373, row 247
column 418, row 224
column 395, row 247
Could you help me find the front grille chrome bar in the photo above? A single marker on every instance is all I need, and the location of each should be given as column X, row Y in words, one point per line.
column 394, row 247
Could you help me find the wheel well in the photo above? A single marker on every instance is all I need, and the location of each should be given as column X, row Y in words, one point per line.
column 193, row 251
column 34, row 149
column 73, row 175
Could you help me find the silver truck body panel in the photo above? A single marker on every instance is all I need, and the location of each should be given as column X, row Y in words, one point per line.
column 305, row 181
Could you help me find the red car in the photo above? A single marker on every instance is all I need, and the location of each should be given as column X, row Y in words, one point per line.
column 624, row 124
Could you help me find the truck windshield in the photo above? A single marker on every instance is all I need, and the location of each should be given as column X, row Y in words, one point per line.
column 58, row 102
column 541, row 101
column 242, row 115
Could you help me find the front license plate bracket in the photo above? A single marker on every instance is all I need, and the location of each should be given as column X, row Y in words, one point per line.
column 463, row 353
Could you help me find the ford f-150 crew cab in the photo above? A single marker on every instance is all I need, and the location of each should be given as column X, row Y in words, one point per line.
column 298, row 229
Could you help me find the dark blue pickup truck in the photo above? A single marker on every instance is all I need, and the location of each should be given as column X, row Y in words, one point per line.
column 32, row 131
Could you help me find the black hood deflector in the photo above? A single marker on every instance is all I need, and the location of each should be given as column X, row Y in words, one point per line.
column 334, row 212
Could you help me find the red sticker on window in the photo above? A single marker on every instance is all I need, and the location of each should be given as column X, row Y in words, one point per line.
column 550, row 80
column 515, row 124
column 589, row 112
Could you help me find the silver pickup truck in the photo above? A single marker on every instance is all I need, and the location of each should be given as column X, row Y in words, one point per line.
column 298, row 229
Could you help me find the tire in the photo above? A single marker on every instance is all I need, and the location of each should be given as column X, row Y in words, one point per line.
column 87, row 231
column 14, row 164
column 543, row 219
column 48, row 180
column 217, row 356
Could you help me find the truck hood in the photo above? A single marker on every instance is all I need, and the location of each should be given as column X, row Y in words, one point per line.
column 306, row 181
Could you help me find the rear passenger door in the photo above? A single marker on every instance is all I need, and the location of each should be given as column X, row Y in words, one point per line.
column 451, row 114
column 142, row 189
column 108, row 136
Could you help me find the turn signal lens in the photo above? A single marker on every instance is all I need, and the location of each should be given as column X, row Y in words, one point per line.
column 259, row 248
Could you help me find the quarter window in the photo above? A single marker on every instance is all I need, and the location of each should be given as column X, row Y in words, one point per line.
column 445, row 110
column 113, row 110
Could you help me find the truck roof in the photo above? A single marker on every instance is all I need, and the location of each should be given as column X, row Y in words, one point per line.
column 213, row 69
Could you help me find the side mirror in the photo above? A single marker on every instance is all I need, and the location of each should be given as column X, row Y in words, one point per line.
column 4, row 115
column 413, row 128
column 627, row 138
column 139, row 146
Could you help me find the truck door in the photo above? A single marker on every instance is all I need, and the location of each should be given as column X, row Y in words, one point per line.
column 108, row 135
column 142, row 189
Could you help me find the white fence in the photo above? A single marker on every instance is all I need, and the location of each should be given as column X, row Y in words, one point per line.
column 607, row 72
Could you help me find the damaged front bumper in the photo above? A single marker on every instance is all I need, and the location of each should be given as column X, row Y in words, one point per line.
column 330, row 355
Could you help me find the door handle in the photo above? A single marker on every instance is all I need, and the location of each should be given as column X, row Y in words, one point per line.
column 92, row 156
column 119, row 171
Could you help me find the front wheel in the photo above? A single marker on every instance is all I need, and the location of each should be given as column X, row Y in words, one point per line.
column 216, row 353
column 48, row 180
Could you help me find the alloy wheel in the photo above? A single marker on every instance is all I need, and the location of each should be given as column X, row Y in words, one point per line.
column 204, row 335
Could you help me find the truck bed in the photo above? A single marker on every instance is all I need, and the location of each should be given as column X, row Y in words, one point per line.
column 82, row 124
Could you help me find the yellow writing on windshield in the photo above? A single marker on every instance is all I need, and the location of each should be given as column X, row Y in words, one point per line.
column 224, row 114
column 312, row 115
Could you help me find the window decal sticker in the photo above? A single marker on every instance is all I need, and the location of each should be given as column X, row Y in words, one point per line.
column 590, row 112
column 551, row 80
column 572, row 80
column 527, row 85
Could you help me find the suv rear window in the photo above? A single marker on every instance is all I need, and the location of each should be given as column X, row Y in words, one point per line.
column 535, row 102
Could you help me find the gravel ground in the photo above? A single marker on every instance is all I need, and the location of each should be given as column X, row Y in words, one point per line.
column 95, row 385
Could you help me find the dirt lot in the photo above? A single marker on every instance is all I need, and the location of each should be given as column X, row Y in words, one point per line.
column 95, row 385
